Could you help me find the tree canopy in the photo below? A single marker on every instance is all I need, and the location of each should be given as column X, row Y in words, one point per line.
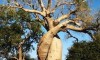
column 87, row 50
column 13, row 24
column 84, row 51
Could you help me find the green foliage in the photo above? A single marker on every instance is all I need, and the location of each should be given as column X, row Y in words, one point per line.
column 9, row 38
column 8, row 1
column 24, row 15
column 27, row 57
column 13, row 22
column 85, row 51
column 12, row 33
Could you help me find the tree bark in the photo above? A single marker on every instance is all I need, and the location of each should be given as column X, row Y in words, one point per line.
column 50, row 49
column 44, row 46
column 20, row 53
column 45, row 43
column 55, row 52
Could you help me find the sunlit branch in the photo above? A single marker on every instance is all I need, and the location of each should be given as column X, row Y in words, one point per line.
column 49, row 4
column 41, row 5
column 70, row 26
column 33, row 11
column 65, row 16
column 58, row 5
column 27, row 10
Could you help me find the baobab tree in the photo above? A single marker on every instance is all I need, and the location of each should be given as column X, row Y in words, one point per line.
column 56, row 16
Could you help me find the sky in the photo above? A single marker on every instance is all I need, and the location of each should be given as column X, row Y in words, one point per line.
column 67, row 43
column 95, row 6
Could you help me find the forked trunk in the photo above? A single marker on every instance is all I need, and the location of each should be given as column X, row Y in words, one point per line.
column 49, row 46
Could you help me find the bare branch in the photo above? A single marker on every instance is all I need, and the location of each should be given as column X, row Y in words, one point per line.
column 70, row 26
column 58, row 5
column 91, row 35
column 65, row 16
column 27, row 10
column 41, row 5
column 37, row 17
column 71, row 35
column 67, row 3
column 33, row 11
column 49, row 4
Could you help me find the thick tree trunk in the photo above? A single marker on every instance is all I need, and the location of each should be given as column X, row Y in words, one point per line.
column 55, row 52
column 23, row 56
column 20, row 53
column 46, row 44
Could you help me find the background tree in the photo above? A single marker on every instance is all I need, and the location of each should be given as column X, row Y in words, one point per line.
column 13, row 24
column 87, row 50
column 72, row 14
column 84, row 51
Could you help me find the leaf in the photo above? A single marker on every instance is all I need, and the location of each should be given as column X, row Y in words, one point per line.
column 8, row 1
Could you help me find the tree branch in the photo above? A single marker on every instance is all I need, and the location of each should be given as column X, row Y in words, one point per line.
column 29, row 10
column 33, row 11
column 49, row 4
column 17, row 5
column 74, row 27
column 41, row 5
column 65, row 16
column 89, row 33
column 69, row 26
column 58, row 4
column 71, row 35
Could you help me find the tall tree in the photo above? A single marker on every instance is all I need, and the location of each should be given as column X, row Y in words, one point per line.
column 55, row 16
column 13, row 24
column 84, row 51
column 87, row 50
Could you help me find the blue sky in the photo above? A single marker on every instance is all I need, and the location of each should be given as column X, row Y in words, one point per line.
column 95, row 6
column 67, row 43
